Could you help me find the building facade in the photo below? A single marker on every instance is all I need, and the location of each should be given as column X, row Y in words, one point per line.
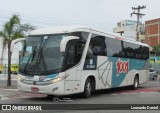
column 15, row 54
column 127, row 28
column 152, row 32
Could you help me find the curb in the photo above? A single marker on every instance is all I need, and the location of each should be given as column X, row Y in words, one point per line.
column 6, row 79
column 3, row 97
column 8, row 87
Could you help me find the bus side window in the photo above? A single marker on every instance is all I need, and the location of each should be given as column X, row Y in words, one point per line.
column 74, row 52
column 111, row 46
column 129, row 49
column 97, row 46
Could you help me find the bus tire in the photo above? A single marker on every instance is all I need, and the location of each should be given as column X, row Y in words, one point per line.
column 135, row 84
column 155, row 77
column 50, row 96
column 87, row 88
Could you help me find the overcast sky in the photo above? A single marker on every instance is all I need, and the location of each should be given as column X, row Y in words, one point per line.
column 103, row 14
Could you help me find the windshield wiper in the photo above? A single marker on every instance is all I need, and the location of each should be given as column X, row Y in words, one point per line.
column 32, row 54
column 39, row 55
column 40, row 58
column 40, row 51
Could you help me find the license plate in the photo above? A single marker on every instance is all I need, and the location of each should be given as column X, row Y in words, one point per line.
column 34, row 89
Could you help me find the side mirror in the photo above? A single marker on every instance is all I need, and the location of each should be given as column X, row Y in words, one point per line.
column 65, row 41
column 16, row 41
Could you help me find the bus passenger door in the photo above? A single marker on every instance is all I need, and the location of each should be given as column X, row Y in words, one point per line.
column 73, row 57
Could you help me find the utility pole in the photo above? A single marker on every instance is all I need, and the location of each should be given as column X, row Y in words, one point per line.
column 139, row 15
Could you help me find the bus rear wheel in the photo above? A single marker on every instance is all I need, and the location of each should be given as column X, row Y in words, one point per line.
column 136, row 82
column 155, row 77
column 87, row 88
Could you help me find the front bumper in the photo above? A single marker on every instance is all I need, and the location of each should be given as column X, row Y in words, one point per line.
column 51, row 89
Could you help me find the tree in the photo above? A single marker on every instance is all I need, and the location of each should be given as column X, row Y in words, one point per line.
column 13, row 29
column 156, row 49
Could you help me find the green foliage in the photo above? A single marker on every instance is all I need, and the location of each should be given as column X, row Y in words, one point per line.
column 156, row 49
column 13, row 29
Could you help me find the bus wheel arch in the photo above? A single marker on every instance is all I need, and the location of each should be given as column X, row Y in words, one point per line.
column 89, row 86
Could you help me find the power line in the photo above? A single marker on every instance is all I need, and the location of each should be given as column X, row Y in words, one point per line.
column 37, row 16
column 55, row 19
column 52, row 21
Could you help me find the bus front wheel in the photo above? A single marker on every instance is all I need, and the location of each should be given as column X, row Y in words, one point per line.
column 87, row 88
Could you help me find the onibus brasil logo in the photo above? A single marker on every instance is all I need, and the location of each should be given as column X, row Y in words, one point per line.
column 122, row 66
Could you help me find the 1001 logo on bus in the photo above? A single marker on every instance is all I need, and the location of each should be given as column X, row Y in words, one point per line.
column 122, row 66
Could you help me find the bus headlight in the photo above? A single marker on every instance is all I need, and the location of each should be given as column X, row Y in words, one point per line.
column 19, row 77
column 57, row 79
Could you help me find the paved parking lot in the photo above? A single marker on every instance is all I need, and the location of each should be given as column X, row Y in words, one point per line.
column 148, row 93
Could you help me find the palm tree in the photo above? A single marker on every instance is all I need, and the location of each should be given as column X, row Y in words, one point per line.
column 13, row 29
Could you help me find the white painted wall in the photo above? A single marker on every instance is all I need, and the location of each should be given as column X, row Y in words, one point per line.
column 130, row 31
column 15, row 54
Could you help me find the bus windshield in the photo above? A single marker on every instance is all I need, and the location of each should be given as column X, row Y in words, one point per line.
column 41, row 55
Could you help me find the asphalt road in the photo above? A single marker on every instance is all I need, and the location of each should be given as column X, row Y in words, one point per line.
column 148, row 93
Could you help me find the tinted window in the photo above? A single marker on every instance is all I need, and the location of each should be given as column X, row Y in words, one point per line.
column 138, row 52
column 119, row 49
column 129, row 49
column 145, row 53
column 115, row 48
column 74, row 49
column 111, row 46
column 74, row 52
column 82, row 35
column 97, row 46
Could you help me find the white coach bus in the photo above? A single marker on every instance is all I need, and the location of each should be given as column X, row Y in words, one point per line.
column 69, row 60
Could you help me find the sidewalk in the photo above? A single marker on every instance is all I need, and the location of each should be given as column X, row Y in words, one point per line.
column 4, row 77
column 7, row 92
column 158, row 77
